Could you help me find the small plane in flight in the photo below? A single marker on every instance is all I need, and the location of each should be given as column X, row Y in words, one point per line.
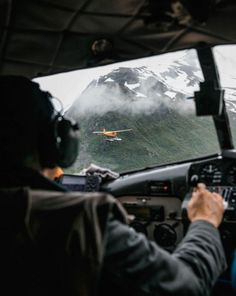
column 111, row 135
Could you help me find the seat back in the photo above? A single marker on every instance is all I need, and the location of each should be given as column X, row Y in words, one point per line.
column 53, row 242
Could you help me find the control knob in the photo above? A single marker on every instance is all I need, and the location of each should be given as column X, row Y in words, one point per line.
column 139, row 227
column 165, row 235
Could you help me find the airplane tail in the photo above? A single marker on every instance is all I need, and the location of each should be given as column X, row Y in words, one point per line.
column 100, row 132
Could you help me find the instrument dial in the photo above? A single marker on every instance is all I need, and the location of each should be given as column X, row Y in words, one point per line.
column 165, row 235
column 211, row 174
column 231, row 175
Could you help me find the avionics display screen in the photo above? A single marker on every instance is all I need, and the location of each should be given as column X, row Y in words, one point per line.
column 141, row 212
column 73, row 182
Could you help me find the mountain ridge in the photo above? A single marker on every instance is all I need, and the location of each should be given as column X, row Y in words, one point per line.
column 164, row 127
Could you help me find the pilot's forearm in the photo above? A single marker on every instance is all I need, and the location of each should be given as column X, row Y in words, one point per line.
column 137, row 264
column 202, row 250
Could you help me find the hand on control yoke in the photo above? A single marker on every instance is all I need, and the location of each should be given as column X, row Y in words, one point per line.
column 205, row 205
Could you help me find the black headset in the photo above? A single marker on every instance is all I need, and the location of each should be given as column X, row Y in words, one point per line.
column 59, row 143
column 58, row 140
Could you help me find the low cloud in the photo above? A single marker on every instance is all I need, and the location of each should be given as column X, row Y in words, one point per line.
column 143, row 99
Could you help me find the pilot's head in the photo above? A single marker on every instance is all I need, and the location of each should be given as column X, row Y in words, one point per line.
column 32, row 134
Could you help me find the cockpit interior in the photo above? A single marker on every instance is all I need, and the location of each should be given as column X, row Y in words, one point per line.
column 153, row 87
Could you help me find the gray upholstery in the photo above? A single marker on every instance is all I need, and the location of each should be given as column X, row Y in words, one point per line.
column 41, row 37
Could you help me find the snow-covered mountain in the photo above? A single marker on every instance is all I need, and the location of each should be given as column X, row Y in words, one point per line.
column 153, row 103
column 146, row 88
column 133, row 90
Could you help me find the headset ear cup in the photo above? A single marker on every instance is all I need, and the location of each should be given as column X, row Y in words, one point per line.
column 59, row 143
column 67, row 142
column 47, row 146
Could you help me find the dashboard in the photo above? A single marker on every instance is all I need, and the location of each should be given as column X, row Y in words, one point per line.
column 153, row 199
column 156, row 199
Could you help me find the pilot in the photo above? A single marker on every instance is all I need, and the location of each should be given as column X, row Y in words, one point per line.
column 55, row 242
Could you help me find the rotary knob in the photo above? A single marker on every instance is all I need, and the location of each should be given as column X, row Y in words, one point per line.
column 165, row 235
column 139, row 227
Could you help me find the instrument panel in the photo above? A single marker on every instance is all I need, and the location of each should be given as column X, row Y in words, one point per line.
column 158, row 218
column 213, row 173
column 158, row 198
column 220, row 176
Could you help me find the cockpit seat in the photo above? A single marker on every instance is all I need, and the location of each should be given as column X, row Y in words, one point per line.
column 52, row 243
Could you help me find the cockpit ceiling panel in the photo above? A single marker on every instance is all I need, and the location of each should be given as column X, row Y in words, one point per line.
column 42, row 37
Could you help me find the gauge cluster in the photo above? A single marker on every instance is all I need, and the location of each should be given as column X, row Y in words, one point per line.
column 220, row 176
column 218, row 172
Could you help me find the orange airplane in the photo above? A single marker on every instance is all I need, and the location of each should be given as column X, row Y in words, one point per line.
column 111, row 135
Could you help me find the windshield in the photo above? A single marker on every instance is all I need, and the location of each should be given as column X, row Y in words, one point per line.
column 136, row 114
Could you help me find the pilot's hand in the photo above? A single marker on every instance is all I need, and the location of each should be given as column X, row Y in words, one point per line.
column 205, row 205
